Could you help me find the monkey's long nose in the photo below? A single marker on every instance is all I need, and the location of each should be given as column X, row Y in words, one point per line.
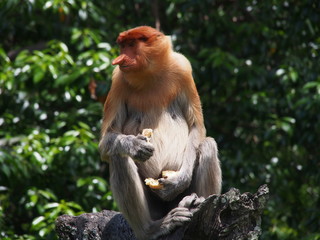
column 119, row 60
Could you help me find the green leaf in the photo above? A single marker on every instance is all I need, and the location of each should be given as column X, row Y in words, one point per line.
column 69, row 78
column 34, row 198
column 84, row 125
column 38, row 220
column 38, row 75
column 105, row 46
column 74, row 205
column 53, row 71
column 311, row 85
column 73, row 133
column 51, row 205
column 4, row 56
column 43, row 232
column 63, row 47
column 81, row 182
column 69, row 59
column 293, row 76
column 47, row 194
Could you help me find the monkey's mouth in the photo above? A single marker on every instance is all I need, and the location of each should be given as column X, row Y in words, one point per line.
column 125, row 66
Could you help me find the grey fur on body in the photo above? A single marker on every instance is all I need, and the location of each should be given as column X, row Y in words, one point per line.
column 174, row 146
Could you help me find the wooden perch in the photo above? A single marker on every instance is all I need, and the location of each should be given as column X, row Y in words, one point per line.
column 225, row 217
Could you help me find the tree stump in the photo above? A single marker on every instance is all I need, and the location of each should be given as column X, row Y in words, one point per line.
column 221, row 217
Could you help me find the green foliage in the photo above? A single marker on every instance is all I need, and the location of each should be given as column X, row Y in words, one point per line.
column 256, row 65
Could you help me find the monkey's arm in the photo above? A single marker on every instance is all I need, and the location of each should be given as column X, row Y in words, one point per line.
column 176, row 183
column 113, row 142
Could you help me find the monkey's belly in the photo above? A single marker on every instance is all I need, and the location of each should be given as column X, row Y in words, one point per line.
column 170, row 138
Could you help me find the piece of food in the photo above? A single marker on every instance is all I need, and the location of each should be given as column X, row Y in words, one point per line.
column 153, row 183
column 168, row 173
column 147, row 132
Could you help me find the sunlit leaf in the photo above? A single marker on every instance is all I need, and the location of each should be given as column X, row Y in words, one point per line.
column 51, row 205
column 38, row 220
column 64, row 47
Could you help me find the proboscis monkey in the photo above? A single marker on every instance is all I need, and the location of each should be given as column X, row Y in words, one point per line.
column 152, row 87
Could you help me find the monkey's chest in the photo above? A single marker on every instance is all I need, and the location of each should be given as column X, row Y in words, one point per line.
column 170, row 137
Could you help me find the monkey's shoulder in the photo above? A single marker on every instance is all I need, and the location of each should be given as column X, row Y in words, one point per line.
column 181, row 63
column 181, row 71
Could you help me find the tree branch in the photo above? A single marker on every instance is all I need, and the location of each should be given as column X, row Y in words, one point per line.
column 221, row 217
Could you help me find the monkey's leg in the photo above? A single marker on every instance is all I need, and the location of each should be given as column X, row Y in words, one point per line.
column 131, row 198
column 128, row 191
column 208, row 176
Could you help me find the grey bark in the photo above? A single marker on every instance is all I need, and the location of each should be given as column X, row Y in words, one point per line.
column 221, row 217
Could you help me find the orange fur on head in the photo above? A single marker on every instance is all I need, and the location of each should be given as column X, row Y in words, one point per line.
column 161, row 76
column 143, row 33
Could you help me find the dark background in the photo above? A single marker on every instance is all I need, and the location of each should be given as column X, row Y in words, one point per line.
column 256, row 66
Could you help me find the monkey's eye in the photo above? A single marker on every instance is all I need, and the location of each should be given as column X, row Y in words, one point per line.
column 143, row 39
column 131, row 43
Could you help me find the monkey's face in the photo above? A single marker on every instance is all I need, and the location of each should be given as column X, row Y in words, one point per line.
column 130, row 58
column 140, row 49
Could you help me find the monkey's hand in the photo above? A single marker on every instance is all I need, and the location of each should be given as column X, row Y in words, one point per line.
column 137, row 147
column 173, row 185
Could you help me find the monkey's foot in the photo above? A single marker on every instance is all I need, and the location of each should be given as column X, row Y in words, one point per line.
column 177, row 217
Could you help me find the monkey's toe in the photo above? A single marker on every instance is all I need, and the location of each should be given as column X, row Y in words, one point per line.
column 177, row 217
column 191, row 202
column 188, row 201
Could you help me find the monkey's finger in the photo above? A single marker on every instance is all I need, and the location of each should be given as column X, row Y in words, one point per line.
column 142, row 156
column 141, row 137
column 167, row 182
column 164, row 181
column 181, row 212
column 149, row 148
column 188, row 201
column 198, row 201
column 161, row 181
column 145, row 155
column 178, row 216
column 179, row 221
